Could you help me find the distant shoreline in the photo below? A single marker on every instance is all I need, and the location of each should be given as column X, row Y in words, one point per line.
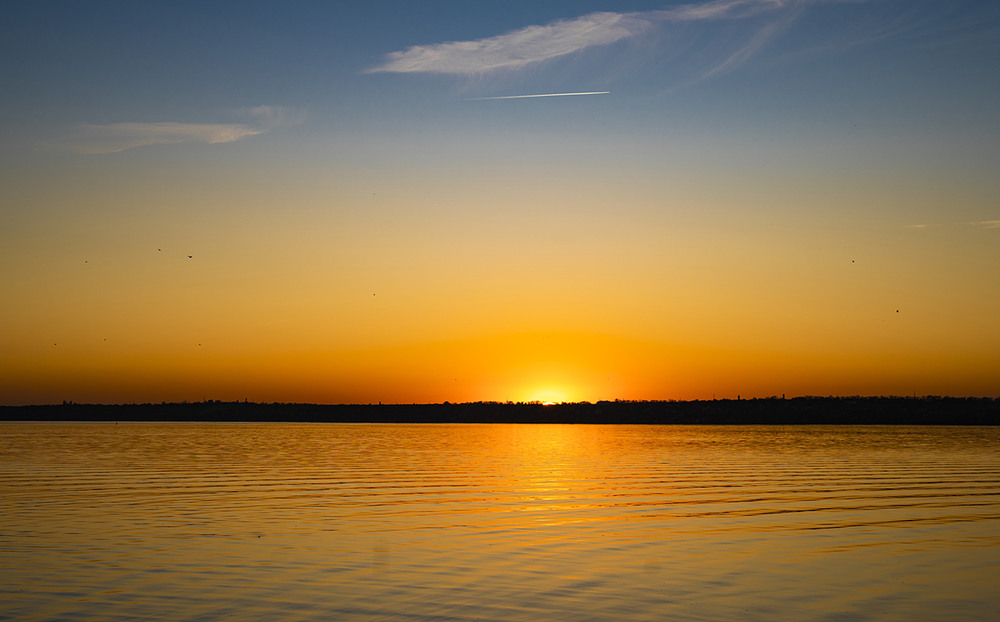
column 931, row 410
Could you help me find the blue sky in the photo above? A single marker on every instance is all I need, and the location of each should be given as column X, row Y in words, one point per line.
column 793, row 62
column 735, row 152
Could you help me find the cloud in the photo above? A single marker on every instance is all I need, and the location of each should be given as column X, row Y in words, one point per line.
column 744, row 53
column 96, row 138
column 732, row 9
column 515, row 49
column 113, row 137
column 534, row 44
column 987, row 224
column 979, row 224
column 718, row 9
column 270, row 117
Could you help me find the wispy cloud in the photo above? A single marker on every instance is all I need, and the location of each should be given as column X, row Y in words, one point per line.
column 987, row 224
column 518, row 48
column 113, row 137
column 720, row 9
column 97, row 138
column 534, row 44
column 270, row 117
column 743, row 53
column 978, row 224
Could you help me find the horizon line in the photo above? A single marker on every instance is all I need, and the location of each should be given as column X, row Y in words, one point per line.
column 738, row 398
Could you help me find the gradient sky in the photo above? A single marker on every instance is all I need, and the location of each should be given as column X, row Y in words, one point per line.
column 340, row 202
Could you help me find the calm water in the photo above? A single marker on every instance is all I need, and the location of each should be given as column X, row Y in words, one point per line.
column 498, row 522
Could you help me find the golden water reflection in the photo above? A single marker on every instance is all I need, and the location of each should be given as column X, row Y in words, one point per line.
column 503, row 522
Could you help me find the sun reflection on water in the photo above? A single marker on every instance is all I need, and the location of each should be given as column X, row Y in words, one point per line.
column 511, row 522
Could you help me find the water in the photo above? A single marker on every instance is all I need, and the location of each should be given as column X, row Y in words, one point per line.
column 497, row 522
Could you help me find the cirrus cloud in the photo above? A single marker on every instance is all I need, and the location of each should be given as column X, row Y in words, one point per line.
column 514, row 49
column 97, row 138
column 114, row 137
column 987, row 224
column 534, row 44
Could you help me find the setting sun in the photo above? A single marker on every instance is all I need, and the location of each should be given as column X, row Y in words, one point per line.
column 550, row 397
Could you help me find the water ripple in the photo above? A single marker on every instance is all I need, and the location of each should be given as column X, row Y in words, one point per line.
column 463, row 522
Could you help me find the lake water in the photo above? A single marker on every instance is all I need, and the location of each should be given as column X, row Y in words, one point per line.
column 498, row 522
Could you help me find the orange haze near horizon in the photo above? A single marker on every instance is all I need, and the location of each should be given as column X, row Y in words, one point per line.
column 570, row 303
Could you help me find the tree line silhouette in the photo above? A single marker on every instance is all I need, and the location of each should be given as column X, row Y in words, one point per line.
column 928, row 410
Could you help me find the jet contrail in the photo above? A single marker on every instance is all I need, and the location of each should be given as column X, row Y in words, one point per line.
column 540, row 95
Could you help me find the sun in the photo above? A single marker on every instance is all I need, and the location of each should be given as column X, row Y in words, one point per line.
column 549, row 396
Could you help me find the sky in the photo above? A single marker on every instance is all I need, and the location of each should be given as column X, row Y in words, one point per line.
column 347, row 202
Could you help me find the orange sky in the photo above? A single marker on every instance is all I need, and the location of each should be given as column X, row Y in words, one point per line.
column 495, row 302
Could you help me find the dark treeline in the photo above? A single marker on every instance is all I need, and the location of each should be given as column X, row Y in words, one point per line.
column 799, row 410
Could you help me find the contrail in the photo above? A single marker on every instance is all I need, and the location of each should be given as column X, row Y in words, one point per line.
column 476, row 99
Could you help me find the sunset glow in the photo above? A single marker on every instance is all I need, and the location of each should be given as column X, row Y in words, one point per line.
column 532, row 201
